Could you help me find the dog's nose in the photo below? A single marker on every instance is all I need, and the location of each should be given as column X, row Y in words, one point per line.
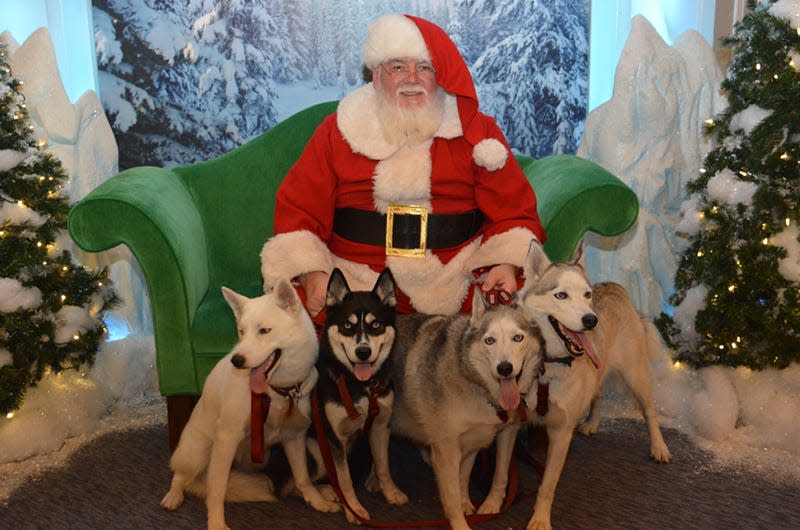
column 237, row 360
column 589, row 320
column 505, row 369
column 363, row 352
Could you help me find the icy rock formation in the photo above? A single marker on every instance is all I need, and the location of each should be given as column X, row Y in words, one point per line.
column 81, row 137
column 650, row 135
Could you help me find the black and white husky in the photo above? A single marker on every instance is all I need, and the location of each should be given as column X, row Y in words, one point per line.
column 355, row 388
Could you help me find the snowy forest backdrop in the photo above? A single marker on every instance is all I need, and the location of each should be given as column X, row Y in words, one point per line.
column 187, row 81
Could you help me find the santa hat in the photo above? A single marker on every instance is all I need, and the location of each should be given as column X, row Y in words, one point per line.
column 400, row 36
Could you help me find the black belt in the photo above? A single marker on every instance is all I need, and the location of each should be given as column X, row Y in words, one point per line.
column 445, row 230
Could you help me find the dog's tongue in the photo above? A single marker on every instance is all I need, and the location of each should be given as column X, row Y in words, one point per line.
column 258, row 381
column 363, row 371
column 584, row 342
column 509, row 394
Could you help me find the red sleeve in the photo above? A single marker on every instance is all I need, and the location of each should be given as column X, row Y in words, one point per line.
column 505, row 196
column 306, row 197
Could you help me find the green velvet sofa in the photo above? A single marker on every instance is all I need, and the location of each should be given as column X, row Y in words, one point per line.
column 197, row 227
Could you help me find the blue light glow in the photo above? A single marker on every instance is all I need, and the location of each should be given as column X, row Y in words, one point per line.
column 70, row 25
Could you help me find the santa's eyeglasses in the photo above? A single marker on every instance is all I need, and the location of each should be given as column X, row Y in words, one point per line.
column 400, row 69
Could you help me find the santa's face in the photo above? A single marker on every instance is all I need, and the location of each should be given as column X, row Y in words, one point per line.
column 408, row 83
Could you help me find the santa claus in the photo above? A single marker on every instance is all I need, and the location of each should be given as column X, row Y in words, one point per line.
column 406, row 174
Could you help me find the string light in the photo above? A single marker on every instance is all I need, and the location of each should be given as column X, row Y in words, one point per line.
column 758, row 66
column 700, row 254
column 785, row 157
column 787, row 221
column 709, row 121
column 9, row 415
column 63, row 298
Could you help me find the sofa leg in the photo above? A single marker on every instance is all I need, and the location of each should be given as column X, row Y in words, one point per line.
column 179, row 408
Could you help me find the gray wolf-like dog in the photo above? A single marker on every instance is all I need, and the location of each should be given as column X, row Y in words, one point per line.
column 459, row 382
column 588, row 331
column 276, row 349
column 355, row 388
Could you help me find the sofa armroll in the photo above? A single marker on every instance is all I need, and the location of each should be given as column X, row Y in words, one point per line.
column 575, row 196
column 150, row 210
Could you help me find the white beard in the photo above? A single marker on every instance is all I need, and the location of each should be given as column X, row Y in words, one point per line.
column 407, row 127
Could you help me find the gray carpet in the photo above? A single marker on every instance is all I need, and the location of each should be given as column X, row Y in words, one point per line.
column 608, row 482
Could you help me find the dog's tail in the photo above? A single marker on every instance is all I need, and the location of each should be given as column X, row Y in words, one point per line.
column 655, row 348
column 242, row 487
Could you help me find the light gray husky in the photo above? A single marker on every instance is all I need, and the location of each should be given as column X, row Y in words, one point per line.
column 588, row 331
column 458, row 383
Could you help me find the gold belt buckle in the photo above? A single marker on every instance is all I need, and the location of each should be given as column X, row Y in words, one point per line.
column 398, row 209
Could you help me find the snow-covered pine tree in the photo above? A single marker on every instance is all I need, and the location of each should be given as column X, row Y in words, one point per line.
column 737, row 299
column 535, row 83
column 50, row 307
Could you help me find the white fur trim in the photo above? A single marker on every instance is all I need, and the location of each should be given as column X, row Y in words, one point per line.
column 434, row 287
column 291, row 254
column 490, row 153
column 393, row 37
column 508, row 247
column 404, row 178
column 357, row 119
column 451, row 121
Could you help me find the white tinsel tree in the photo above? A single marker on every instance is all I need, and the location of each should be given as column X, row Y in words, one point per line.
column 737, row 299
column 50, row 307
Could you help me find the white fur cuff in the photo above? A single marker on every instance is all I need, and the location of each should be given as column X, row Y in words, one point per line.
column 291, row 254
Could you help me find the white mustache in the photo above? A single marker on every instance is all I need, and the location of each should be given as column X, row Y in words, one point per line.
column 412, row 88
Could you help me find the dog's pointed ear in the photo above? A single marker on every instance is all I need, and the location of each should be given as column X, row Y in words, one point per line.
column 479, row 305
column 287, row 297
column 337, row 288
column 385, row 288
column 579, row 258
column 536, row 262
column 235, row 300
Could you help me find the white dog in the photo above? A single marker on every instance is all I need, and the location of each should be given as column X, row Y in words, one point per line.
column 275, row 354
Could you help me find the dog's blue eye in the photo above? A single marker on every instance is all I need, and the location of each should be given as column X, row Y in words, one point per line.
column 561, row 296
column 517, row 338
column 489, row 340
column 264, row 331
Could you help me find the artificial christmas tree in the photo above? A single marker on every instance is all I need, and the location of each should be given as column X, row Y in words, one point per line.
column 737, row 299
column 50, row 308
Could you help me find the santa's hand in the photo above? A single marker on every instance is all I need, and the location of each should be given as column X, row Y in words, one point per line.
column 501, row 278
column 315, row 284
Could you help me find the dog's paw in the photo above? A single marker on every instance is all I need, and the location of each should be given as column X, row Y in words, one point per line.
column 360, row 510
column 393, row 495
column 492, row 504
column 660, row 453
column 588, row 428
column 172, row 500
column 327, row 492
column 321, row 504
column 539, row 524
column 467, row 507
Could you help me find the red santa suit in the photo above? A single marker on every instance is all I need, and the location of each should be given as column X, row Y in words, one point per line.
column 348, row 163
